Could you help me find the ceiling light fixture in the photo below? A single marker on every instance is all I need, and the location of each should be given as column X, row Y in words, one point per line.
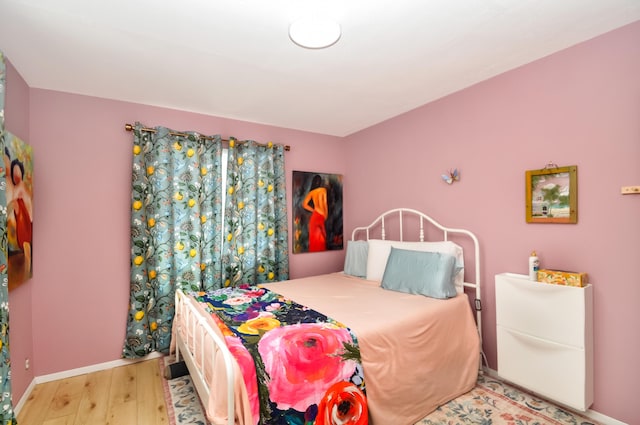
column 314, row 33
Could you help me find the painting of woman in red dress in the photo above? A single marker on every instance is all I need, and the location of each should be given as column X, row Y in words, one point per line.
column 316, row 203
column 317, row 212
column 18, row 165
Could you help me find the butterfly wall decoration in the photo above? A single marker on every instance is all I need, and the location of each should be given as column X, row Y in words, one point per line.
column 451, row 176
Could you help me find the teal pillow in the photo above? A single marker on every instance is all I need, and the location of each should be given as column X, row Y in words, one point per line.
column 421, row 272
column 355, row 261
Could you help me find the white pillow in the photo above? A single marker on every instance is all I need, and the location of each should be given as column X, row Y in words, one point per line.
column 379, row 254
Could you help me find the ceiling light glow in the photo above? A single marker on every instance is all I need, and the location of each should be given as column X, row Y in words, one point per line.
column 314, row 33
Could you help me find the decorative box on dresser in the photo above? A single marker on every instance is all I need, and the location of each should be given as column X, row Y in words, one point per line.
column 545, row 338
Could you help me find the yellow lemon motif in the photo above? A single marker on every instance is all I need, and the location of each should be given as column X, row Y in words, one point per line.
column 138, row 260
column 192, row 202
column 240, row 250
column 153, row 326
column 136, row 150
column 137, row 205
column 203, row 219
column 152, row 274
column 270, row 145
column 179, row 246
column 269, row 188
column 139, row 315
column 190, row 153
column 178, row 196
column 260, row 183
column 177, row 146
column 203, row 171
column 229, row 237
column 240, row 160
column 260, row 269
column 150, row 169
column 260, row 226
column 151, row 222
column 240, row 205
column 192, row 252
column 232, row 143
column 270, row 232
column 230, row 191
column 227, row 282
column 203, row 266
column 270, row 275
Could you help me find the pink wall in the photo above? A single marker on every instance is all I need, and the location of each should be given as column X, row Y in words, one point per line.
column 20, row 298
column 80, row 286
column 577, row 107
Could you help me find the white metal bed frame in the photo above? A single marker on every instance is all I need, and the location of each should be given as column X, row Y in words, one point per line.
column 446, row 231
column 201, row 330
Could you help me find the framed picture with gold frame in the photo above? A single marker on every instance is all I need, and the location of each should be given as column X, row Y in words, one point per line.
column 552, row 194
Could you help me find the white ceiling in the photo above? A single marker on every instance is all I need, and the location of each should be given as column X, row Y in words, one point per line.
column 233, row 58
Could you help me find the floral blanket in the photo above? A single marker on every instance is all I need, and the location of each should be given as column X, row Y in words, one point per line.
column 299, row 366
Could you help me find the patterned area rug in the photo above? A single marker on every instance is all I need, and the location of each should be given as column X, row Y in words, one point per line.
column 494, row 402
column 490, row 402
column 181, row 398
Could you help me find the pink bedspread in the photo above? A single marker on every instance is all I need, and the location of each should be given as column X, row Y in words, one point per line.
column 417, row 352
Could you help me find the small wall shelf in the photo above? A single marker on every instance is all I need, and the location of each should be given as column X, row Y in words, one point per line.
column 630, row 190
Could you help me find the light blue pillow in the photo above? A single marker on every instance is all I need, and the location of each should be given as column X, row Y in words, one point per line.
column 421, row 272
column 355, row 261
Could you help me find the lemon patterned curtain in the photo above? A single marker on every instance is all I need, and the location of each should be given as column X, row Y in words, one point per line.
column 256, row 242
column 176, row 229
column 7, row 416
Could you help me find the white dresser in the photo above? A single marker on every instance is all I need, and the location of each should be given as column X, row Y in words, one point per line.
column 545, row 338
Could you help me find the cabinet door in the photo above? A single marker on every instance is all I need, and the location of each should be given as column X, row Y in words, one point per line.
column 552, row 370
column 552, row 312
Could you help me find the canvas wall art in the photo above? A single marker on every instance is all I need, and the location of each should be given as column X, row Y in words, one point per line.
column 18, row 164
column 317, row 212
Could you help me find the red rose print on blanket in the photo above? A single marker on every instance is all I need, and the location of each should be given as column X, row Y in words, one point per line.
column 343, row 404
column 303, row 361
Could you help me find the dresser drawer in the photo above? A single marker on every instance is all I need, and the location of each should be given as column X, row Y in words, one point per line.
column 551, row 312
column 555, row 371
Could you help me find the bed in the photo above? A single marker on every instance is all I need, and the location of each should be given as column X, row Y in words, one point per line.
column 424, row 352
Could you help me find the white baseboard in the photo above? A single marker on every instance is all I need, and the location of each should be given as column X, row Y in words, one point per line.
column 79, row 371
column 591, row 414
column 603, row 419
column 24, row 397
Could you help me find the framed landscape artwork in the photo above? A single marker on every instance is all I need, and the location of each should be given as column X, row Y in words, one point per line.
column 552, row 195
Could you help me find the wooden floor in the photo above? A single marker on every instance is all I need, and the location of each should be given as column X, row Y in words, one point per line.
column 125, row 395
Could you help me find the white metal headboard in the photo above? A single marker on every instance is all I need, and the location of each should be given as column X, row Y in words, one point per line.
column 400, row 213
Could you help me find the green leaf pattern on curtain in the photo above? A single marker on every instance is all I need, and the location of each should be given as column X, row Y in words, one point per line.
column 256, row 241
column 7, row 414
column 176, row 230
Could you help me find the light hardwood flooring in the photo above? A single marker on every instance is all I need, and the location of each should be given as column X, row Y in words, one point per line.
column 125, row 395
